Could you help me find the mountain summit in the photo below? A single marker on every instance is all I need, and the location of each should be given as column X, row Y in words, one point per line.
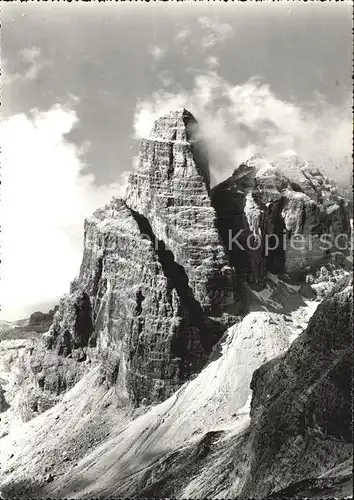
column 178, row 126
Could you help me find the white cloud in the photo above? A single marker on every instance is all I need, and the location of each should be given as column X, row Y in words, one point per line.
column 213, row 32
column 35, row 62
column 212, row 61
column 239, row 120
column 45, row 197
column 32, row 61
column 31, row 55
column 209, row 32
column 7, row 78
column 183, row 34
column 157, row 52
column 165, row 78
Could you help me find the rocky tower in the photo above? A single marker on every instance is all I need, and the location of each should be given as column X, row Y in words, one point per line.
column 171, row 189
column 154, row 280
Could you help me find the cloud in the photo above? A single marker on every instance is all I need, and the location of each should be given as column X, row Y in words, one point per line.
column 31, row 55
column 157, row 52
column 213, row 32
column 165, row 78
column 7, row 77
column 35, row 61
column 240, row 120
column 212, row 61
column 210, row 33
column 45, row 196
column 32, row 62
column 183, row 34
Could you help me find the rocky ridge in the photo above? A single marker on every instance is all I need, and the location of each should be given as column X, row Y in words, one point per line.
column 17, row 340
column 31, row 327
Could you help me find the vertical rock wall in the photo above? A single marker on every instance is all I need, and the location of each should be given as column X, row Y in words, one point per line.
column 289, row 201
column 171, row 189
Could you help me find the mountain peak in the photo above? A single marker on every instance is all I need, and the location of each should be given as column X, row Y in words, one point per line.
column 179, row 125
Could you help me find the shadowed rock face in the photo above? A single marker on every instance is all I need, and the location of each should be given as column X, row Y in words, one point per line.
column 3, row 403
column 248, row 205
column 149, row 327
column 242, row 215
column 301, row 420
column 287, row 198
column 72, row 326
column 40, row 322
column 154, row 279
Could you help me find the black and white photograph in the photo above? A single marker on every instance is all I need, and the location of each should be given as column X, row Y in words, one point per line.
column 176, row 280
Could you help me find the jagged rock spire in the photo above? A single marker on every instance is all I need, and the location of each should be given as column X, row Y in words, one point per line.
column 171, row 189
column 177, row 125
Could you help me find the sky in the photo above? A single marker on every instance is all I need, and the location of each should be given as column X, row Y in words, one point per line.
column 83, row 82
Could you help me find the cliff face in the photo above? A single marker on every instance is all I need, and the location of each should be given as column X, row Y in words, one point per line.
column 301, row 419
column 283, row 200
column 171, row 189
column 40, row 322
column 242, row 223
column 155, row 289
